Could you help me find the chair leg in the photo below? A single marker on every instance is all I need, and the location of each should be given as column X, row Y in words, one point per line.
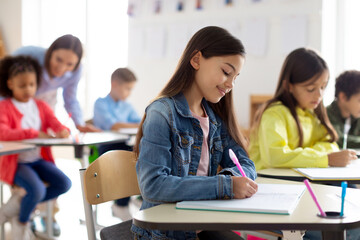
column 49, row 218
column 2, row 227
column 90, row 225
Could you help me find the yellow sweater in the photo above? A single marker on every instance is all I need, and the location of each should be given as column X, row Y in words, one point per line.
column 275, row 143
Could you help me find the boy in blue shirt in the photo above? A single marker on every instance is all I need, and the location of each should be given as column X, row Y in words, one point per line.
column 113, row 113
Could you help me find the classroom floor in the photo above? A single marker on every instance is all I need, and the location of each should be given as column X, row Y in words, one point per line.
column 70, row 204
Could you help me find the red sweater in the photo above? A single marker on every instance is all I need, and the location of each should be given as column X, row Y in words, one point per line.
column 10, row 130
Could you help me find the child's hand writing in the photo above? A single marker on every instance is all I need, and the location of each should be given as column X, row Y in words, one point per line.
column 244, row 187
column 63, row 134
column 44, row 135
column 341, row 158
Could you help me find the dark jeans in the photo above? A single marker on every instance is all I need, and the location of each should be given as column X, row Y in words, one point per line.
column 31, row 177
column 116, row 146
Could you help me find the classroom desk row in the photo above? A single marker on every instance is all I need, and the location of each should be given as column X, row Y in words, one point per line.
column 81, row 152
column 167, row 217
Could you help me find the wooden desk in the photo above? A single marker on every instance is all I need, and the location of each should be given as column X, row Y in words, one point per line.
column 167, row 217
column 8, row 148
column 84, row 139
column 290, row 174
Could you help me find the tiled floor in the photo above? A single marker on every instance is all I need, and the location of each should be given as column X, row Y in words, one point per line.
column 70, row 204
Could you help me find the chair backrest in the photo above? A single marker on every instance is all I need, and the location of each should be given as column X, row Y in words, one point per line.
column 111, row 176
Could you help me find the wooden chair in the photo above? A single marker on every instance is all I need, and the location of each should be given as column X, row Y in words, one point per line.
column 256, row 100
column 110, row 177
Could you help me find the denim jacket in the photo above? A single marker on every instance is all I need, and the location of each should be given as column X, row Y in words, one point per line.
column 170, row 152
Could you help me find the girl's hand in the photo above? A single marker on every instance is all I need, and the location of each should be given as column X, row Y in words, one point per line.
column 244, row 187
column 63, row 134
column 43, row 135
column 88, row 128
column 341, row 158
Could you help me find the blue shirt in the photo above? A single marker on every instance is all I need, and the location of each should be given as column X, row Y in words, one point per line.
column 107, row 112
column 69, row 82
column 170, row 151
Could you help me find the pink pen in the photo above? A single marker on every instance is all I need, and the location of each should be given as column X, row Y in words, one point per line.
column 307, row 184
column 236, row 162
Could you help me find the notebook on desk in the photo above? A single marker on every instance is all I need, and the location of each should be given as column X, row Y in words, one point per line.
column 350, row 172
column 270, row 198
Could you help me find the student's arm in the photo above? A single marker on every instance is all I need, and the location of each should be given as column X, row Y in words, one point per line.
column 71, row 102
column 228, row 165
column 275, row 150
column 119, row 125
column 50, row 121
column 134, row 116
column 353, row 141
column 102, row 117
column 9, row 133
column 158, row 183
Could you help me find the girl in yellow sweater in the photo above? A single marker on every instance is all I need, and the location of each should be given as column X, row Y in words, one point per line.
column 293, row 129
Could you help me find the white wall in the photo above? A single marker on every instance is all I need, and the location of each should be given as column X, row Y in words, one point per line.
column 260, row 73
column 10, row 23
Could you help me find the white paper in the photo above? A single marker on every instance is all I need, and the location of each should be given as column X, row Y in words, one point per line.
column 128, row 131
column 294, row 33
column 155, row 42
column 350, row 172
column 136, row 42
column 255, row 36
column 178, row 37
column 270, row 198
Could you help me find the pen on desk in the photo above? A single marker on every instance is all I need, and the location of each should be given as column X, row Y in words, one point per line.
column 343, row 193
column 236, row 162
column 347, row 127
column 312, row 194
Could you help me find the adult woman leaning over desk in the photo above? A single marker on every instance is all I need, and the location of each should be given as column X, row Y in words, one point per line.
column 61, row 69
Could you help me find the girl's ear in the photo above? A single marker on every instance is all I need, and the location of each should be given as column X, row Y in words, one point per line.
column 195, row 60
column 286, row 86
column 10, row 84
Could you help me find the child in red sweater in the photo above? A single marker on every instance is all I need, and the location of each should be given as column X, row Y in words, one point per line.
column 23, row 117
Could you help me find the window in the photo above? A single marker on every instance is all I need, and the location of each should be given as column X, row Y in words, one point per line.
column 102, row 27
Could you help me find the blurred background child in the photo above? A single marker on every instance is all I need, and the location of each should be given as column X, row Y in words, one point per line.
column 113, row 112
column 293, row 129
column 24, row 117
column 346, row 109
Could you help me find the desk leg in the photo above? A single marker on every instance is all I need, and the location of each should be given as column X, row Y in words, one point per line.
column 82, row 153
column 2, row 228
column 331, row 235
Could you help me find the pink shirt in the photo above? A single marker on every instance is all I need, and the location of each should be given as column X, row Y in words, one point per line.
column 203, row 168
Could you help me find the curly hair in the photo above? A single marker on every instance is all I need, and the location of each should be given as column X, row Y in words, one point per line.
column 11, row 66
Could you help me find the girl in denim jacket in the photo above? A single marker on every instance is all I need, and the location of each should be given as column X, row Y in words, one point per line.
column 186, row 133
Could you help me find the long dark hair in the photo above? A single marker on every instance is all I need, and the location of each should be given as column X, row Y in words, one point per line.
column 300, row 65
column 68, row 42
column 211, row 42
column 11, row 66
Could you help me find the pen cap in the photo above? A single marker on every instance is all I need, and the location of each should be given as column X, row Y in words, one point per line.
column 233, row 156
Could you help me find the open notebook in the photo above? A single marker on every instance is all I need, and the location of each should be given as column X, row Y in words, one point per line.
column 350, row 172
column 270, row 198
